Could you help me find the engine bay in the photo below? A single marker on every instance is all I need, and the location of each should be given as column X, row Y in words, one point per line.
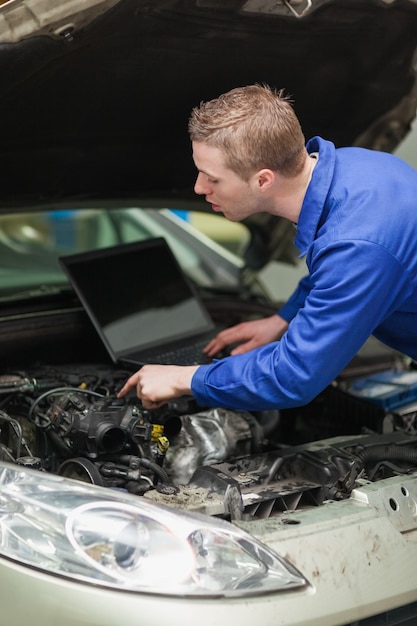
column 67, row 420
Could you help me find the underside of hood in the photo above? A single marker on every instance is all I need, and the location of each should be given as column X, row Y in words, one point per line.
column 95, row 96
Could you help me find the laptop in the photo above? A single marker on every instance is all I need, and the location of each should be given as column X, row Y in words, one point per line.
column 141, row 304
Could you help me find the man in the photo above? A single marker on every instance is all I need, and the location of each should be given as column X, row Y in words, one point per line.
column 355, row 211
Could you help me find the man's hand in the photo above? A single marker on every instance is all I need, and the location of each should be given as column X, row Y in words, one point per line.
column 156, row 384
column 248, row 335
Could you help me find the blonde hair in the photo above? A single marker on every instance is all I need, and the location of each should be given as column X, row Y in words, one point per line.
column 255, row 127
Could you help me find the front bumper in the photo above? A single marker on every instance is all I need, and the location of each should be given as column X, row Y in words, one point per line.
column 359, row 555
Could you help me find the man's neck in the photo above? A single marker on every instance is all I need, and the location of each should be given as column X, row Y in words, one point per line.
column 289, row 193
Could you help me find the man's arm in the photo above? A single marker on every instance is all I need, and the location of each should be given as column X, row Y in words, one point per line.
column 356, row 286
column 294, row 303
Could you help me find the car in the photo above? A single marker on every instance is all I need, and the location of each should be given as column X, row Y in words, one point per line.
column 112, row 514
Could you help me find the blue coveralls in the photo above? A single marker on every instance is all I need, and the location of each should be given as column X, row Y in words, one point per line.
column 358, row 230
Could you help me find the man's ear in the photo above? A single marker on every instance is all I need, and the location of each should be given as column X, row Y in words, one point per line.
column 264, row 179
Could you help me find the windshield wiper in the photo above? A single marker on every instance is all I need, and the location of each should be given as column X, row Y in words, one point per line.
column 36, row 292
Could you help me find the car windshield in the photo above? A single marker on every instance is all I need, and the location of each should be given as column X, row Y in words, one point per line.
column 31, row 244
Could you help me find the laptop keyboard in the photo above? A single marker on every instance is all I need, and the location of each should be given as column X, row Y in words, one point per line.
column 185, row 355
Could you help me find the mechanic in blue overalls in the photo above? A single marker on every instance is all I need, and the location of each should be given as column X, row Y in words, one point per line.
column 355, row 211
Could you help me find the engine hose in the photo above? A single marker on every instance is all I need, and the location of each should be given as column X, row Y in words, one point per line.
column 377, row 453
column 65, row 450
column 132, row 462
column 156, row 469
column 256, row 431
column 268, row 421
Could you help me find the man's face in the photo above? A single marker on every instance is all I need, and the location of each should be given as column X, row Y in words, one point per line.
column 224, row 189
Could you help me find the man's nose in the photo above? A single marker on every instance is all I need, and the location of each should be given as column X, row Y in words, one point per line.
column 201, row 186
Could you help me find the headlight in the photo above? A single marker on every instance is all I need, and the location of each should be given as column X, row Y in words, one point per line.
column 105, row 537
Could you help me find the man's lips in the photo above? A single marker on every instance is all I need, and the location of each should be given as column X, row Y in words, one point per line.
column 215, row 207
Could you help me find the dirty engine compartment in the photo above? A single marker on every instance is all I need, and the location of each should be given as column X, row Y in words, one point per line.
column 67, row 420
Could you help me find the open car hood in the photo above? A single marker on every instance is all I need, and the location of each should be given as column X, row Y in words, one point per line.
column 95, row 95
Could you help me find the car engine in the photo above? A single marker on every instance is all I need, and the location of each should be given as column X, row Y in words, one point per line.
column 231, row 464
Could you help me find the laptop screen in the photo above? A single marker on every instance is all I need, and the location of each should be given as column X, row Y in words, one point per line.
column 137, row 296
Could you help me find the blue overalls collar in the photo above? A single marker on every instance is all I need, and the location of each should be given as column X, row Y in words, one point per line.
column 316, row 195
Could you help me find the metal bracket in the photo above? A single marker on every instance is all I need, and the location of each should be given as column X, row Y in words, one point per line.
column 308, row 6
column 280, row 7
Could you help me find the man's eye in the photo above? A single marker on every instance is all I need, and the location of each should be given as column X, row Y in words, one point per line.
column 212, row 181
